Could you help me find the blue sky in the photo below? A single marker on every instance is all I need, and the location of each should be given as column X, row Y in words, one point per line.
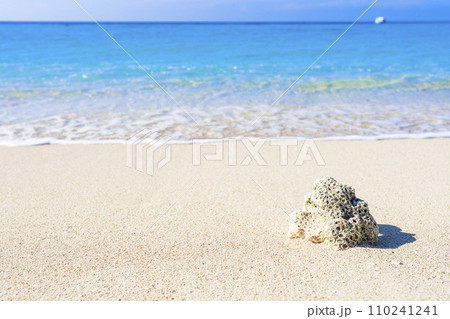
column 223, row 10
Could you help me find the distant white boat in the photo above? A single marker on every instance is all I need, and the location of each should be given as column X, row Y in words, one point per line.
column 380, row 20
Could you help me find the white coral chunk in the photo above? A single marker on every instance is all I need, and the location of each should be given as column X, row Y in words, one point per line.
column 334, row 215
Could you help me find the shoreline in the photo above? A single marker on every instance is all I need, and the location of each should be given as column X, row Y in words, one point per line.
column 77, row 224
column 430, row 135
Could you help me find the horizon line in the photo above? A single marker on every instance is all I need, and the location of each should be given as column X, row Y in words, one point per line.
column 221, row 22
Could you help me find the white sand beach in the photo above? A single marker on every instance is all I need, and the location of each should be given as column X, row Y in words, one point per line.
column 77, row 224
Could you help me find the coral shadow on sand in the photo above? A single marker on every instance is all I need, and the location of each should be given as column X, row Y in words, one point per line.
column 392, row 237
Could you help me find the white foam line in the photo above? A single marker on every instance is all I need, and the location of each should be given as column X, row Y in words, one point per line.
column 40, row 142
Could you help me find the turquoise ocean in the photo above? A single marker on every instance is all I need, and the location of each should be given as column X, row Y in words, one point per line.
column 71, row 83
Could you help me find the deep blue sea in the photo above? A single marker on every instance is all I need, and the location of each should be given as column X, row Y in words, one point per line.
column 70, row 82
